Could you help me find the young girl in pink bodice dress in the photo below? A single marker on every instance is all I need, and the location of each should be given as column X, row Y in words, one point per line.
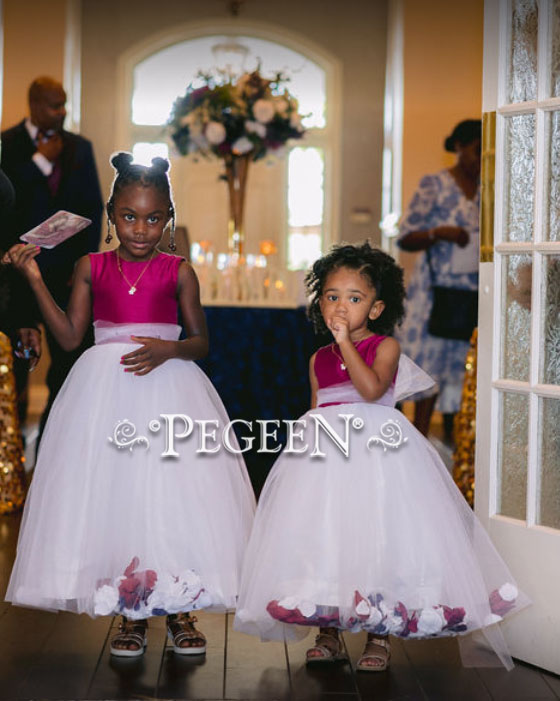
column 375, row 537
column 111, row 526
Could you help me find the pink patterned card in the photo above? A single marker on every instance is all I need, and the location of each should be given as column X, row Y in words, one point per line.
column 56, row 229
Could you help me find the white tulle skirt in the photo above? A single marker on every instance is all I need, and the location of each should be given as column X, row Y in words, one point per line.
column 111, row 526
column 381, row 540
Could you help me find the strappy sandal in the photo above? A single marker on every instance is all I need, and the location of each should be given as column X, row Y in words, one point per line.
column 375, row 649
column 180, row 628
column 329, row 647
column 130, row 633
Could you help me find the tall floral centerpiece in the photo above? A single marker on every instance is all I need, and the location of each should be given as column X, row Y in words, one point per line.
column 238, row 121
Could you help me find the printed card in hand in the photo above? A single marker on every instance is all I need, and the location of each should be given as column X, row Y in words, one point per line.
column 56, row 229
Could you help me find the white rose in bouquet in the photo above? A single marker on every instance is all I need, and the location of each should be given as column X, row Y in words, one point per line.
column 255, row 128
column 215, row 133
column 241, row 146
column 263, row 111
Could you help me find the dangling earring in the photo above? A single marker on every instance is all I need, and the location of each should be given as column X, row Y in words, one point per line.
column 109, row 236
column 172, row 245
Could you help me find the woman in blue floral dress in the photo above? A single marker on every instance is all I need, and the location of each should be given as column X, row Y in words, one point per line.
column 442, row 218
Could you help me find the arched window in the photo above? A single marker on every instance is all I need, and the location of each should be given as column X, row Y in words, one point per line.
column 290, row 199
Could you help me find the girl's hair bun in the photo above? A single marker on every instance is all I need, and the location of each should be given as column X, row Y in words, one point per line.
column 161, row 165
column 121, row 161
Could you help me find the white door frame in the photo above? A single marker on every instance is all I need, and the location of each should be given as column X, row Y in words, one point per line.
column 531, row 550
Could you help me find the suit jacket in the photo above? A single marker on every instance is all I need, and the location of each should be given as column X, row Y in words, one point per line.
column 17, row 303
column 78, row 192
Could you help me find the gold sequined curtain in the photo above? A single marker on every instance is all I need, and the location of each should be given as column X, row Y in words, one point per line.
column 465, row 427
column 12, row 473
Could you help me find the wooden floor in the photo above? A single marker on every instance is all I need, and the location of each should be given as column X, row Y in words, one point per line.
column 63, row 656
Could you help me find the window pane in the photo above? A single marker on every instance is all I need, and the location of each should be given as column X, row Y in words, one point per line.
column 552, row 212
column 305, row 187
column 303, row 250
column 513, row 455
column 516, row 318
column 162, row 77
column 551, row 321
column 143, row 152
column 549, row 459
column 520, row 177
column 523, row 59
column 305, row 206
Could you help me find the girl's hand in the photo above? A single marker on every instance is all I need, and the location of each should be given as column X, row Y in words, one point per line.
column 453, row 234
column 21, row 256
column 153, row 352
column 338, row 326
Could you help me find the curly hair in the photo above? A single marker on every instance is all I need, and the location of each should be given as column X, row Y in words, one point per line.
column 129, row 173
column 380, row 270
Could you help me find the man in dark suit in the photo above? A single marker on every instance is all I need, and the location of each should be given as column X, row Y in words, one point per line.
column 52, row 169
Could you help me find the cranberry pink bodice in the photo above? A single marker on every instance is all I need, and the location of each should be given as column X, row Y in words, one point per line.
column 335, row 386
column 155, row 298
column 329, row 361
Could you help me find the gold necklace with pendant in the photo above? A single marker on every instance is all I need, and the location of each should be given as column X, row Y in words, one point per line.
column 133, row 286
column 339, row 357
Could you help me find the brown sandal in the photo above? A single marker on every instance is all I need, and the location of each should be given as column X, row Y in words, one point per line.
column 375, row 649
column 329, row 647
column 180, row 628
column 131, row 633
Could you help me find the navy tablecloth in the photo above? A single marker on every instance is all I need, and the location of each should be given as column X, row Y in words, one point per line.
column 259, row 364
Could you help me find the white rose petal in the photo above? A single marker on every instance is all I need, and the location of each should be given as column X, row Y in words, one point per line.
column 382, row 606
column 289, row 603
column 492, row 618
column 105, row 600
column 263, row 111
column 241, row 146
column 508, row 592
column 215, row 133
column 429, row 622
column 307, row 608
column 394, row 623
column 255, row 128
column 203, row 600
column 191, row 579
column 374, row 618
column 363, row 608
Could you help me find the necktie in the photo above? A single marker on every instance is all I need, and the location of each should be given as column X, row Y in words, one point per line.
column 53, row 180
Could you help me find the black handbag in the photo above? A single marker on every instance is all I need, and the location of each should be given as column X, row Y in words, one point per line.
column 454, row 312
